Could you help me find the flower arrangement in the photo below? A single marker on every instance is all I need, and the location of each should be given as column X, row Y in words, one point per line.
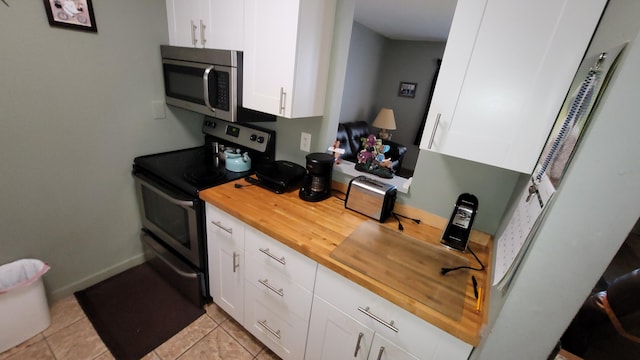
column 371, row 158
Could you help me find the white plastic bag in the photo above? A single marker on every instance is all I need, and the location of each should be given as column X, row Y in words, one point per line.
column 21, row 273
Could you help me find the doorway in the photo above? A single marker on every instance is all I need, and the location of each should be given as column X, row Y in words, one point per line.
column 591, row 335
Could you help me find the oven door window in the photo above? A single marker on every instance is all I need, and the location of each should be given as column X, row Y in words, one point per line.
column 171, row 217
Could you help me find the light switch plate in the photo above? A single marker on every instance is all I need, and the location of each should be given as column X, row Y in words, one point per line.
column 158, row 110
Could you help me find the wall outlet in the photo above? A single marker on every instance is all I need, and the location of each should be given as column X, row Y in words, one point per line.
column 305, row 142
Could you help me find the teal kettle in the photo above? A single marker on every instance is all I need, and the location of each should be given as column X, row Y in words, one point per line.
column 237, row 162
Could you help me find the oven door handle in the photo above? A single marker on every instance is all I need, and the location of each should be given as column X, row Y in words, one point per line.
column 144, row 236
column 183, row 203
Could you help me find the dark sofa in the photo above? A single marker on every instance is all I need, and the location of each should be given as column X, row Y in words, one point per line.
column 350, row 135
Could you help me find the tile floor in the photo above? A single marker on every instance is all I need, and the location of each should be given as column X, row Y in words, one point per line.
column 71, row 337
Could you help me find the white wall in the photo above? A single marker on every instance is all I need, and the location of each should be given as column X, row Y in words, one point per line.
column 595, row 207
column 363, row 69
column 75, row 110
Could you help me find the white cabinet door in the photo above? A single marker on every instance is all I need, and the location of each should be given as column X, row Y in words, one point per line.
column 412, row 337
column 505, row 73
column 213, row 24
column 287, row 45
column 183, row 21
column 225, row 240
column 334, row 335
column 224, row 25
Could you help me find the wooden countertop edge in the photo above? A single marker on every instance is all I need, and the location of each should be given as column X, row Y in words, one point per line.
column 467, row 330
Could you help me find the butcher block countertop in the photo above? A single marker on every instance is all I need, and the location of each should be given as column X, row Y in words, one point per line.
column 316, row 229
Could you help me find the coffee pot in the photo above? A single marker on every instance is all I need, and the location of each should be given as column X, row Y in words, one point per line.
column 316, row 185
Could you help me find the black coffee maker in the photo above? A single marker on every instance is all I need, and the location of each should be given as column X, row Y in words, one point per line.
column 316, row 185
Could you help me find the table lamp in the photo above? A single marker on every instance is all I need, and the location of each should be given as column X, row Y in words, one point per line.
column 385, row 121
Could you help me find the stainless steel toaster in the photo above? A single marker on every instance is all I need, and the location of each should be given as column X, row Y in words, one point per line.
column 371, row 197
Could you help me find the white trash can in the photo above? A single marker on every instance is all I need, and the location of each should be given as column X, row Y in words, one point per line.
column 23, row 303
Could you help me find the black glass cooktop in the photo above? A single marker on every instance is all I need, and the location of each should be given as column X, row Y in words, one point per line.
column 190, row 170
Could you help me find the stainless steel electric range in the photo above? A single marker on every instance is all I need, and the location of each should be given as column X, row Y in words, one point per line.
column 173, row 216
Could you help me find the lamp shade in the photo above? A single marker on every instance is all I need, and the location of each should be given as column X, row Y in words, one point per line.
column 385, row 120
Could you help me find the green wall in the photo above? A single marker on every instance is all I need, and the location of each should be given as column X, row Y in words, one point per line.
column 75, row 109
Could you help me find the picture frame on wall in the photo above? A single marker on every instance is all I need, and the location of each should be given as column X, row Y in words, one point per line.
column 407, row 89
column 71, row 14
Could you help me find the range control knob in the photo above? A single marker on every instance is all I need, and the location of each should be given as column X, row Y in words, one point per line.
column 260, row 139
column 253, row 137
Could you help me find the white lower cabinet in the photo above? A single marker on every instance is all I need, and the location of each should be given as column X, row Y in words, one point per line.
column 334, row 335
column 301, row 310
column 225, row 243
column 343, row 310
column 278, row 294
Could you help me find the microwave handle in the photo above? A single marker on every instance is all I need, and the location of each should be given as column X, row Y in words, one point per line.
column 205, row 80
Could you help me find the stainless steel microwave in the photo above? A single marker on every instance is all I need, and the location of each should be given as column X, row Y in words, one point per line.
column 207, row 81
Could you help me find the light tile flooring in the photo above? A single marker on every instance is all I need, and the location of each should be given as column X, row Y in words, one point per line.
column 72, row 337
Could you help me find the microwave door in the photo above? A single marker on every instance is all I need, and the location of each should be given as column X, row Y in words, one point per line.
column 220, row 93
column 184, row 87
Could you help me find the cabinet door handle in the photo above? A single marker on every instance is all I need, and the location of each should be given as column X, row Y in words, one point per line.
column 219, row 224
column 235, row 261
column 433, row 132
column 265, row 282
column 377, row 318
column 283, row 100
column 269, row 254
column 194, row 39
column 203, row 40
column 380, row 352
column 275, row 333
column 360, row 335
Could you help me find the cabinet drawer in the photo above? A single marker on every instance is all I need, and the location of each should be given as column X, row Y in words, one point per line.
column 284, row 334
column 224, row 227
column 272, row 257
column 413, row 334
column 278, row 291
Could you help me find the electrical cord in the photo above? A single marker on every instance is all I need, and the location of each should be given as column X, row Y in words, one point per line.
column 417, row 221
column 238, row 186
column 400, row 227
column 444, row 271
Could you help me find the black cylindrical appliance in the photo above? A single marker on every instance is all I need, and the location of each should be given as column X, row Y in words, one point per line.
column 316, row 185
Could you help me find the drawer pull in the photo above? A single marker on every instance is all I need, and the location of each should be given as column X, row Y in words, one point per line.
column 360, row 335
column 235, row 261
column 377, row 318
column 275, row 333
column 219, row 224
column 269, row 254
column 265, row 282
column 380, row 352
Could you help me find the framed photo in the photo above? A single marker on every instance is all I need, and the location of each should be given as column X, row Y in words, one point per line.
column 71, row 14
column 407, row 89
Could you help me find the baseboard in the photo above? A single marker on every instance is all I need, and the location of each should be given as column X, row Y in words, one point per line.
column 63, row 292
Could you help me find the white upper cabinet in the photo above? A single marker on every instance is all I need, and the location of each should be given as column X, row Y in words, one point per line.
column 287, row 46
column 505, row 72
column 214, row 24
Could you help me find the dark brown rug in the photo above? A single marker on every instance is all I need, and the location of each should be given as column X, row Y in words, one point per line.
column 136, row 311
